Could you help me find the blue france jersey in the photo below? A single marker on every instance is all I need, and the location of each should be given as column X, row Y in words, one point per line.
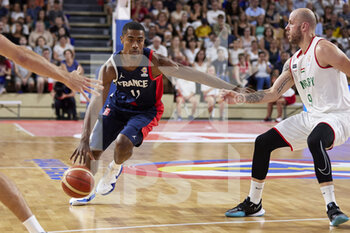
column 136, row 90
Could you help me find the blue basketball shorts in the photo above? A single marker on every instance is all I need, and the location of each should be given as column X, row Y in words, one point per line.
column 114, row 122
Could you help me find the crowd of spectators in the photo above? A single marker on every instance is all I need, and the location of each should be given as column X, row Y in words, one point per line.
column 243, row 41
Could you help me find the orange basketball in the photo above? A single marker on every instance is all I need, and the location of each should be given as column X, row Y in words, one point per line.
column 78, row 181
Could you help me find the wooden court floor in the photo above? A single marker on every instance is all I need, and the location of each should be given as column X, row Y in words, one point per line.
column 154, row 202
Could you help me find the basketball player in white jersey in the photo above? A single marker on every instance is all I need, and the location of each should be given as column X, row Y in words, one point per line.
column 10, row 196
column 318, row 70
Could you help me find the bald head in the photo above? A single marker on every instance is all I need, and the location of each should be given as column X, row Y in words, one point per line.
column 305, row 15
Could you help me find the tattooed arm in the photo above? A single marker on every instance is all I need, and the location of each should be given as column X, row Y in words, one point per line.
column 282, row 84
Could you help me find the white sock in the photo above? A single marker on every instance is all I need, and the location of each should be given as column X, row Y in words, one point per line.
column 255, row 192
column 115, row 167
column 32, row 225
column 328, row 194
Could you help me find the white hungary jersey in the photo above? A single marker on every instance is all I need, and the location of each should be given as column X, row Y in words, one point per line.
column 322, row 89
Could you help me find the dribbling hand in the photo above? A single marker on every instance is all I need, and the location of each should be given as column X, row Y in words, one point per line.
column 81, row 153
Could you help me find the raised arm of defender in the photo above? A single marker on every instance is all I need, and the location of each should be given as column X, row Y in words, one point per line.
column 282, row 84
column 168, row 67
column 36, row 63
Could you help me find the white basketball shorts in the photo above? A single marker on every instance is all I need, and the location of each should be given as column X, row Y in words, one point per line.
column 297, row 128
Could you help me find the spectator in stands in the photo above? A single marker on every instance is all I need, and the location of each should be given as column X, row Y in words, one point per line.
column 59, row 23
column 263, row 69
column 221, row 25
column 183, row 25
column 242, row 71
column 176, row 50
column 16, row 13
column 189, row 34
column 17, row 34
column 260, row 27
column 210, row 94
column 55, row 12
column 327, row 17
column 33, row 9
column 185, row 92
column 23, row 79
column 159, row 8
column 286, row 99
column 329, row 33
column 345, row 14
column 5, row 3
column 246, row 40
column 299, row 4
column 234, row 51
column 40, row 31
column 158, row 47
column 232, row 12
column 3, row 10
column 5, row 72
column 204, row 30
column 176, row 15
column 41, row 81
column 191, row 50
column 272, row 16
column 241, row 25
column 42, row 17
column 253, row 53
column 162, row 24
column 279, row 65
column 273, row 53
column 226, row 37
column 212, row 52
column 212, row 15
column 139, row 11
column 197, row 15
column 25, row 29
column 167, row 39
column 60, row 47
column 221, row 66
column 41, row 45
column 147, row 23
column 64, row 102
column 253, row 11
column 151, row 34
column 344, row 40
column 281, row 6
column 264, row 42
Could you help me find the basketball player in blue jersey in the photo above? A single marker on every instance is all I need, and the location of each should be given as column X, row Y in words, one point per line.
column 133, row 109
column 10, row 196
column 318, row 70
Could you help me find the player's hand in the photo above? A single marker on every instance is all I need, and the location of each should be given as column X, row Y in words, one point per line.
column 81, row 153
column 232, row 97
column 79, row 83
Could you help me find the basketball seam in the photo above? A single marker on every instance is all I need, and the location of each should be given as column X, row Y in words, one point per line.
column 64, row 181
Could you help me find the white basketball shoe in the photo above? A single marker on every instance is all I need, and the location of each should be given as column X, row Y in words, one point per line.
column 107, row 183
column 82, row 201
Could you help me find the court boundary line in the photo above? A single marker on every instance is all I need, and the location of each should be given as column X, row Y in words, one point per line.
column 23, row 129
column 192, row 224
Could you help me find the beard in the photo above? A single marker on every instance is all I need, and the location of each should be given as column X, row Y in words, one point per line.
column 297, row 37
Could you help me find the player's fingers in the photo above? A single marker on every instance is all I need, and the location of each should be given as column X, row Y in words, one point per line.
column 96, row 84
column 80, row 70
column 71, row 157
column 91, row 156
column 85, row 96
column 92, row 91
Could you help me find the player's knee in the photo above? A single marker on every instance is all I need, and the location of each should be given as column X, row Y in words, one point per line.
column 123, row 144
column 321, row 135
column 260, row 141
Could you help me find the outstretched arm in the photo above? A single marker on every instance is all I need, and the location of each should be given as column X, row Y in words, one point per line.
column 282, row 84
column 168, row 67
column 328, row 54
column 106, row 75
column 38, row 64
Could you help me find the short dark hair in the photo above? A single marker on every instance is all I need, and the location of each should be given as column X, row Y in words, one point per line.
column 133, row 26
